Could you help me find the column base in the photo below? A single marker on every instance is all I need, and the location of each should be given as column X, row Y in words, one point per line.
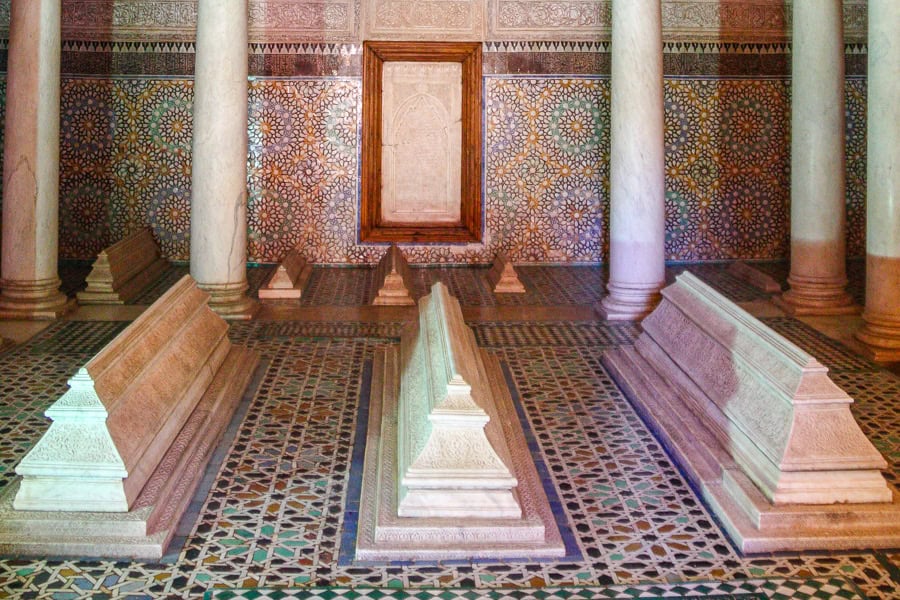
column 881, row 336
column 629, row 302
column 230, row 301
column 38, row 300
column 809, row 296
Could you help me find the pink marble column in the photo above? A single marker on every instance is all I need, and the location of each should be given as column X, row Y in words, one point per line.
column 637, row 173
column 219, row 170
column 818, row 250
column 28, row 269
column 881, row 330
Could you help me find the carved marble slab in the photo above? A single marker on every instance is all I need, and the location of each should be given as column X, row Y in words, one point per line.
column 422, row 138
column 503, row 277
column 394, row 280
column 434, row 20
column 754, row 277
column 123, row 270
column 452, row 460
column 448, row 473
column 288, row 279
column 758, row 425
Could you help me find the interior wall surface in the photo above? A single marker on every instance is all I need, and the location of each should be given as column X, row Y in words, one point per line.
column 125, row 125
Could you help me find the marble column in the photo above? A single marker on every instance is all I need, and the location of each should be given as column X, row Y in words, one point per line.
column 637, row 172
column 219, row 170
column 818, row 250
column 881, row 328
column 28, row 268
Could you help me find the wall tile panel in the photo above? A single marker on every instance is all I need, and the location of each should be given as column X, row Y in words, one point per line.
column 125, row 163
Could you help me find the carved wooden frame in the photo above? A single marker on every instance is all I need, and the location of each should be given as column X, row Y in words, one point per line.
column 468, row 229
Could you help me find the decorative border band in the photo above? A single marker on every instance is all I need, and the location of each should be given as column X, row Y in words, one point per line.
column 680, row 59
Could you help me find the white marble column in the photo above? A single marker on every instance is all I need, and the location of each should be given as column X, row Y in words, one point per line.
column 28, row 270
column 219, row 170
column 637, row 172
column 818, row 275
column 881, row 330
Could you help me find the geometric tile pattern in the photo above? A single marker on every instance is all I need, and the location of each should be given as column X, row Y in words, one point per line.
column 759, row 589
column 563, row 333
column 125, row 163
column 727, row 161
column 303, row 169
column 274, row 514
column 547, row 167
column 855, row 144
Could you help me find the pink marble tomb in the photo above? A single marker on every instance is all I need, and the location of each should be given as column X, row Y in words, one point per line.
column 123, row 270
column 764, row 434
column 394, row 280
column 503, row 277
column 131, row 437
column 288, row 279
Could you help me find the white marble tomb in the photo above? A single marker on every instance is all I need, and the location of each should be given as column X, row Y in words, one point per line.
column 448, row 473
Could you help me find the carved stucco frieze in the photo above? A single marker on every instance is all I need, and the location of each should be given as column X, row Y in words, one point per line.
column 683, row 20
column 176, row 20
column 539, row 19
column 496, row 20
column 437, row 20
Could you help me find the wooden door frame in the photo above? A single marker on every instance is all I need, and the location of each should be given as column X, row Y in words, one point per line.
column 468, row 228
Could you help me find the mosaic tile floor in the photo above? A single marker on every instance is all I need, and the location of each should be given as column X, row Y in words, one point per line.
column 274, row 516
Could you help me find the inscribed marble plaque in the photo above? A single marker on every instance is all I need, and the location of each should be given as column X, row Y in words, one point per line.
column 422, row 140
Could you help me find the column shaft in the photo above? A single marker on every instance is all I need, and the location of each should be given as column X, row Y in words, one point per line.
column 881, row 330
column 219, row 170
column 818, row 249
column 28, row 269
column 637, row 169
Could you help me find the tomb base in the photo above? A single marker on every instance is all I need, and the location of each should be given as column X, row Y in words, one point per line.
column 503, row 276
column 145, row 531
column 383, row 535
column 394, row 280
column 753, row 522
column 107, row 293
